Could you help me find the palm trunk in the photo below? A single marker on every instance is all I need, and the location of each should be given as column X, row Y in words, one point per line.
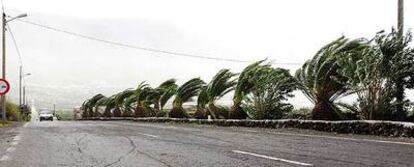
column 399, row 95
column 236, row 111
column 200, row 113
column 212, row 110
column 90, row 112
column 107, row 112
column 323, row 110
column 117, row 112
column 178, row 112
column 140, row 111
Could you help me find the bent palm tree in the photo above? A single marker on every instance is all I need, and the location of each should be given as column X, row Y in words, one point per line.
column 222, row 83
column 141, row 94
column 398, row 56
column 109, row 105
column 202, row 101
column 242, row 88
column 184, row 94
column 84, row 108
column 319, row 80
column 92, row 102
column 271, row 88
column 160, row 95
column 129, row 103
column 119, row 101
column 99, row 103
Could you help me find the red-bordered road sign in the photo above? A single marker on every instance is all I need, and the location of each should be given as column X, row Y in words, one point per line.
column 4, row 87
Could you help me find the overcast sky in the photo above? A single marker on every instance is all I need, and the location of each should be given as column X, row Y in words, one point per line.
column 68, row 69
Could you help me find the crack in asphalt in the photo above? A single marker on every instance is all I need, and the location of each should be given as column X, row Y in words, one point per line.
column 134, row 148
column 122, row 157
column 78, row 143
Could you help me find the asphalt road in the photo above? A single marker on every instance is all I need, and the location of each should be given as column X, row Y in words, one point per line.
column 102, row 144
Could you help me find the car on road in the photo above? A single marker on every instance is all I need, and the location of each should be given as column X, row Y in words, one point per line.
column 45, row 115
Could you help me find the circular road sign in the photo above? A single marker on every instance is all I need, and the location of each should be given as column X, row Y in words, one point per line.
column 4, row 87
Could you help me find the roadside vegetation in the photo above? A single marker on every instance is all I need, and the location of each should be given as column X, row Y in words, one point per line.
column 64, row 115
column 14, row 114
column 376, row 70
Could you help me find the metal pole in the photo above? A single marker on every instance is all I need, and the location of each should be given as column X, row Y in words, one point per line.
column 3, row 98
column 24, row 95
column 400, row 16
column 20, row 86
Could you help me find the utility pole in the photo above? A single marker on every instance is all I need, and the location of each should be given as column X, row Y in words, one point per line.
column 20, row 86
column 3, row 27
column 24, row 95
column 400, row 16
column 3, row 97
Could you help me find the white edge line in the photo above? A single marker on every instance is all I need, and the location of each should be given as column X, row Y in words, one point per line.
column 10, row 149
column 25, row 124
column 16, row 138
column 149, row 135
column 272, row 158
column 345, row 138
column 4, row 158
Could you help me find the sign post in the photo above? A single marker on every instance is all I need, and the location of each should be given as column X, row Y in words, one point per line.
column 4, row 89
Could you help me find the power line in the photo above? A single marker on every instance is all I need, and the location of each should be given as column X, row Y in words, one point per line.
column 15, row 45
column 130, row 46
column 17, row 50
column 139, row 47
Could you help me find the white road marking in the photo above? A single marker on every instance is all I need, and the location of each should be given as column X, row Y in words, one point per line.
column 16, row 138
column 14, row 143
column 272, row 158
column 11, row 149
column 149, row 135
column 343, row 138
column 25, row 124
column 4, row 158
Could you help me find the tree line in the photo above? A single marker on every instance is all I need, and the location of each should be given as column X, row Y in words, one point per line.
column 377, row 71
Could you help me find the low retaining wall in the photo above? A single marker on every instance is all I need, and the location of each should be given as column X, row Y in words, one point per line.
column 368, row 127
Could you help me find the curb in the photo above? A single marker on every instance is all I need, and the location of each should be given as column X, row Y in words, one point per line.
column 365, row 127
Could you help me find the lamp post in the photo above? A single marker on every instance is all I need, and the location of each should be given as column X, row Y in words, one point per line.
column 4, row 23
column 21, row 76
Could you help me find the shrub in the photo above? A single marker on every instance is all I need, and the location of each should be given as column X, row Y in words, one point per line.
column 13, row 112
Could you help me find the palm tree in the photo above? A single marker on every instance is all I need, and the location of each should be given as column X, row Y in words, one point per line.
column 84, row 108
column 92, row 102
column 243, row 87
column 271, row 88
column 119, row 101
column 202, row 101
column 184, row 94
column 109, row 105
column 318, row 78
column 398, row 56
column 128, row 105
column 366, row 77
column 222, row 83
column 141, row 94
column 99, row 103
column 160, row 95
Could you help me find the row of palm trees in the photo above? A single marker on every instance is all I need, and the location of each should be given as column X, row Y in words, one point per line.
column 259, row 88
column 376, row 70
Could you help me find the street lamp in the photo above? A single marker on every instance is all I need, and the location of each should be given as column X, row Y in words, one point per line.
column 4, row 22
column 21, row 76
